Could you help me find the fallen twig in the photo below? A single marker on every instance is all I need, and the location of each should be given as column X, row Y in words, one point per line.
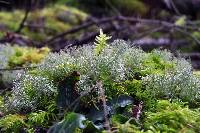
column 17, row 68
column 28, row 8
column 188, row 34
column 78, row 28
column 192, row 56
column 143, row 34
column 150, row 43
column 37, row 26
column 85, row 39
column 157, row 22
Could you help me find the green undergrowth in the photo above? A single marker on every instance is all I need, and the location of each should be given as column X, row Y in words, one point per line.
column 173, row 117
column 16, row 56
column 144, row 92
column 42, row 23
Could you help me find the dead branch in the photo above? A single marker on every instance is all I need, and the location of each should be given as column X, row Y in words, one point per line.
column 82, row 41
column 188, row 34
column 150, row 43
column 78, row 28
column 192, row 56
column 157, row 23
column 17, row 68
column 98, row 22
column 21, row 26
column 145, row 33
column 37, row 26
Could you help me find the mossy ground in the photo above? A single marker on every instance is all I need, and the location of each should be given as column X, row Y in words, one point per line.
column 164, row 84
column 42, row 23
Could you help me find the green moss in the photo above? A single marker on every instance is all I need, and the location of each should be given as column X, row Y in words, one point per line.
column 99, row 6
column 1, row 103
column 173, row 118
column 39, row 118
column 136, row 89
column 197, row 73
column 196, row 34
column 11, row 20
column 12, row 123
column 154, row 64
column 132, row 5
column 124, row 125
column 25, row 55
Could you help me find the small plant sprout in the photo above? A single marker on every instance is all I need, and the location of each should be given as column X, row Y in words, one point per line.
column 101, row 42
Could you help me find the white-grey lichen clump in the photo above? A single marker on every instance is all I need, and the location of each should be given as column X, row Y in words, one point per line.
column 6, row 77
column 29, row 92
column 5, row 52
column 118, row 62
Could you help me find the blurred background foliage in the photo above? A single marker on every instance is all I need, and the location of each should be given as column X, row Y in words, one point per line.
column 42, row 23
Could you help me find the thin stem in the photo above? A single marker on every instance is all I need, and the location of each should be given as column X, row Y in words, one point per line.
column 103, row 98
